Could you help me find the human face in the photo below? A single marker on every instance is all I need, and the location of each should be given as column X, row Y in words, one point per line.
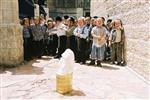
column 57, row 23
column 65, row 21
column 92, row 21
column 99, row 22
column 117, row 24
column 36, row 20
column 110, row 25
column 81, row 22
column 87, row 20
column 50, row 25
column 68, row 22
column 42, row 21
column 26, row 22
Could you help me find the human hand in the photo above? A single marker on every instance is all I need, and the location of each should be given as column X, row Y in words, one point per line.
column 78, row 34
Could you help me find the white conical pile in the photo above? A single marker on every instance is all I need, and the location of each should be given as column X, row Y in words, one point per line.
column 66, row 63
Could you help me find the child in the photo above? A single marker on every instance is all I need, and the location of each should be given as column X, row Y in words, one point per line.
column 117, row 38
column 81, row 33
column 52, row 38
column 38, row 37
column 99, row 40
column 27, row 39
column 62, row 38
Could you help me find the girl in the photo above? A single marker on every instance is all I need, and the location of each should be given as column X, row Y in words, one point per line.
column 99, row 40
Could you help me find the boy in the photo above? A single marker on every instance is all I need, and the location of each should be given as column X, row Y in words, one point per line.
column 117, row 38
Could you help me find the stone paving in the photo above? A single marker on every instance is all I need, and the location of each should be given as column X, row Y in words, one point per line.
column 36, row 81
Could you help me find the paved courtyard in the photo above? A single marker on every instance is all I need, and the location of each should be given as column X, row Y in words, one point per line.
column 36, row 81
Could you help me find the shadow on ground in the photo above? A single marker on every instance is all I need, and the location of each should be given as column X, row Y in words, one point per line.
column 24, row 69
column 75, row 93
column 109, row 67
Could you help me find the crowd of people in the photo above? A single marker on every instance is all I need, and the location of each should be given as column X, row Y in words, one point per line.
column 88, row 37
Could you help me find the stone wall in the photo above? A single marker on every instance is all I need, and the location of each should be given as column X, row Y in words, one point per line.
column 135, row 15
column 11, row 41
column 57, row 8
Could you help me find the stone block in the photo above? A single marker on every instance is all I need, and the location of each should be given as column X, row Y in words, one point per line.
column 11, row 48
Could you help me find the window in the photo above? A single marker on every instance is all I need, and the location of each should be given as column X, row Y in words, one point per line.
column 69, row 3
column 87, row 14
column 65, row 3
column 80, row 3
column 59, row 3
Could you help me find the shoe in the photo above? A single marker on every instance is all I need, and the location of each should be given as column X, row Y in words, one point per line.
column 112, row 62
column 57, row 57
column 92, row 62
column 118, row 63
column 77, row 61
column 99, row 63
column 53, row 55
column 83, row 62
column 39, row 57
column 123, row 64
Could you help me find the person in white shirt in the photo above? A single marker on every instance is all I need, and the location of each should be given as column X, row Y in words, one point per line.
column 62, row 38
column 52, row 38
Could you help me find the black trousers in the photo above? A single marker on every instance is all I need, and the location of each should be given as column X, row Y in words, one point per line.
column 27, row 48
column 72, row 44
column 52, row 44
column 62, row 44
column 107, row 53
column 117, row 49
column 38, row 48
column 82, row 47
column 89, row 49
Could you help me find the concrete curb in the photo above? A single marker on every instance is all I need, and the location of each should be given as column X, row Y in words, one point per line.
column 138, row 75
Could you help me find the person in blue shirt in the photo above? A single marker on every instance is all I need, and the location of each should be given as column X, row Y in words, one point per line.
column 81, row 32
